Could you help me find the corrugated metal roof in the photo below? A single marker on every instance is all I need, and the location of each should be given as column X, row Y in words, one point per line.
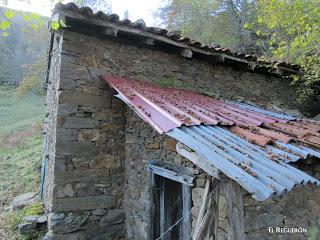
column 174, row 36
column 263, row 111
column 257, row 160
column 261, row 171
column 168, row 108
column 299, row 131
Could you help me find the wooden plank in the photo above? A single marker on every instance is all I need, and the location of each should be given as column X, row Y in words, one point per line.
column 186, row 227
column 152, row 210
column 235, row 210
column 162, row 207
column 175, row 176
column 202, row 208
column 209, row 225
column 187, row 53
column 197, row 160
column 213, row 225
column 172, row 167
column 205, row 222
column 168, row 206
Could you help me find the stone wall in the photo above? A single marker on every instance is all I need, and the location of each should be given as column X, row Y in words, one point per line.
column 50, row 122
column 85, row 149
column 143, row 144
column 96, row 178
column 129, row 59
column 295, row 209
column 298, row 209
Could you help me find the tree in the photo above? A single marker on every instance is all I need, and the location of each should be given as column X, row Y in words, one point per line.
column 34, row 19
column 126, row 14
column 292, row 30
column 213, row 21
column 96, row 5
column 22, row 45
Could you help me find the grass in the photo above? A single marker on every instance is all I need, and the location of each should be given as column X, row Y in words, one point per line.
column 30, row 210
column 17, row 114
column 20, row 154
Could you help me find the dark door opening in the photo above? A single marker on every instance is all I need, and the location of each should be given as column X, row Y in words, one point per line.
column 170, row 212
column 170, row 208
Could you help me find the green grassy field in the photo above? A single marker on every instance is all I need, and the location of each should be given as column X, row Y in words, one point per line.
column 17, row 113
column 20, row 149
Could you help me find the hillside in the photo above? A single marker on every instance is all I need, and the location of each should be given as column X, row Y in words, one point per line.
column 22, row 44
column 20, row 150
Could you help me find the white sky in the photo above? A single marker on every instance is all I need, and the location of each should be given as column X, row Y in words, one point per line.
column 137, row 8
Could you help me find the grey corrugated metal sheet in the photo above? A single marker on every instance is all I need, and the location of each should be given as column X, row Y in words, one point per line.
column 263, row 111
column 261, row 171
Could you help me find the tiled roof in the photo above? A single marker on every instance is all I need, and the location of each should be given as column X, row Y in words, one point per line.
column 250, row 145
column 174, row 36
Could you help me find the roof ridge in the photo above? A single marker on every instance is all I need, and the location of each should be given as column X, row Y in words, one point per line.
column 174, row 36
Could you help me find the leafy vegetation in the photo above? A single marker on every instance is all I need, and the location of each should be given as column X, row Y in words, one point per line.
column 33, row 209
column 274, row 29
column 291, row 30
column 23, row 50
column 212, row 22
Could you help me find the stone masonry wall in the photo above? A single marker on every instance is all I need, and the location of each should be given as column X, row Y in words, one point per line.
column 86, row 148
column 51, row 119
column 298, row 209
column 125, row 59
column 96, row 161
column 143, row 144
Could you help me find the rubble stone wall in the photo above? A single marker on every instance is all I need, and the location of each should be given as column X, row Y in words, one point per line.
column 295, row 209
column 128, row 59
column 293, row 216
column 84, row 177
column 97, row 186
column 142, row 144
column 50, row 121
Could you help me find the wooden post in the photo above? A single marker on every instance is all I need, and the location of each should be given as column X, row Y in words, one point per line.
column 152, row 215
column 186, row 227
column 162, row 210
column 213, row 225
column 235, row 210
column 202, row 209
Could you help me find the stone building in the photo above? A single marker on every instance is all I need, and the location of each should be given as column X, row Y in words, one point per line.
column 150, row 134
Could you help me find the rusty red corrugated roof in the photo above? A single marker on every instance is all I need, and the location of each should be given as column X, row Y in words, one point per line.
column 166, row 108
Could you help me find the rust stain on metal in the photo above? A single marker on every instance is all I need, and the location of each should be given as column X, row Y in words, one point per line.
column 166, row 108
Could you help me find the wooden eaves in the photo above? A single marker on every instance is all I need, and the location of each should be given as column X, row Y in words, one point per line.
column 158, row 41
